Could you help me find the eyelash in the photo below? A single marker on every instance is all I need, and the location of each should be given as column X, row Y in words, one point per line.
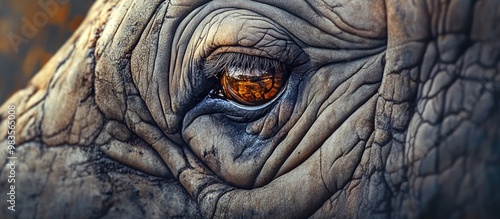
column 213, row 66
column 249, row 82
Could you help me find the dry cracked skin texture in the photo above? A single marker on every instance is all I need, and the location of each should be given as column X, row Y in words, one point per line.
column 391, row 110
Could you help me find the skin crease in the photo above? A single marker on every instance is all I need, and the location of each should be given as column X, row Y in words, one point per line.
column 391, row 110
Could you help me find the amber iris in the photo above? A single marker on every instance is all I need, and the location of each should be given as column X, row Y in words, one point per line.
column 253, row 87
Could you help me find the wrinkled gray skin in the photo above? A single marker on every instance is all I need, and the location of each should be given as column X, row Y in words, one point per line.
column 392, row 109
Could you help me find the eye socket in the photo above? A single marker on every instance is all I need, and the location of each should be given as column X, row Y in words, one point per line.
column 253, row 87
column 247, row 81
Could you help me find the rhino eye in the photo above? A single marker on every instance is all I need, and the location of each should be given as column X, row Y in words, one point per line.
column 253, row 86
column 247, row 81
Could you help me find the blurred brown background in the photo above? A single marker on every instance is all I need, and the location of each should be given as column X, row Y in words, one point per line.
column 31, row 31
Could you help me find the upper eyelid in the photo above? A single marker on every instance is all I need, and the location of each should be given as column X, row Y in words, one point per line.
column 225, row 32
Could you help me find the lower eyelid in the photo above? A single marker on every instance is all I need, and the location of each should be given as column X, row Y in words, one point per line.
column 251, row 108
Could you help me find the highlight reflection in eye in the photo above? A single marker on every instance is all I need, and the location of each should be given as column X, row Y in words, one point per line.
column 249, row 82
column 252, row 87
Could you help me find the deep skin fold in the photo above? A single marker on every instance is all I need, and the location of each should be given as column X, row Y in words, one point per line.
column 388, row 114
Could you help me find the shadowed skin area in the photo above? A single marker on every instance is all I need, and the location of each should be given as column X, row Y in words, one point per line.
column 391, row 109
